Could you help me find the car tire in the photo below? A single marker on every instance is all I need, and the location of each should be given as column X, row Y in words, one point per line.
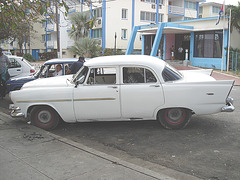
column 174, row 118
column 44, row 117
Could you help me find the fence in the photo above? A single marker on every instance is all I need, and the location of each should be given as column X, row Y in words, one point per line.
column 234, row 61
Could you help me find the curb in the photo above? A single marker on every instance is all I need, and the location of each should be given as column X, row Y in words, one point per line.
column 159, row 172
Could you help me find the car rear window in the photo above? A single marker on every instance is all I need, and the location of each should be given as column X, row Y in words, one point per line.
column 170, row 74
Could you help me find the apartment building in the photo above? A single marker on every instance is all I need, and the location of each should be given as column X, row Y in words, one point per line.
column 209, row 9
column 115, row 22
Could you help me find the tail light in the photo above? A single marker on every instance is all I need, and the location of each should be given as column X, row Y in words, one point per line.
column 32, row 71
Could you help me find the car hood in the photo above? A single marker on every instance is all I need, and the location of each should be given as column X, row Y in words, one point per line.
column 59, row 81
column 19, row 79
column 197, row 75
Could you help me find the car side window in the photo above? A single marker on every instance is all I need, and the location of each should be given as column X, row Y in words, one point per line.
column 103, row 75
column 138, row 75
column 14, row 63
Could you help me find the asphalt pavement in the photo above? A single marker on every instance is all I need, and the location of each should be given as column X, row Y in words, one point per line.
column 27, row 152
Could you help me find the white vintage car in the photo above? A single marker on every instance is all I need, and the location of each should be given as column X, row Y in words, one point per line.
column 127, row 87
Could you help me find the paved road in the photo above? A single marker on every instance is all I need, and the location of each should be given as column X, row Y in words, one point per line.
column 208, row 148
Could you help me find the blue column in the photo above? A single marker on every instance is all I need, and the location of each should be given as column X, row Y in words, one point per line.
column 164, row 47
column 157, row 39
column 191, row 50
column 143, row 44
column 197, row 10
column 133, row 13
column 103, row 24
column 157, row 9
column 131, row 40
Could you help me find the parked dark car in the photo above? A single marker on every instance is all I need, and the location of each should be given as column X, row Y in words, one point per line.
column 46, row 70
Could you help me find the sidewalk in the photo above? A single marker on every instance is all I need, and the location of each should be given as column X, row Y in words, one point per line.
column 216, row 74
column 27, row 152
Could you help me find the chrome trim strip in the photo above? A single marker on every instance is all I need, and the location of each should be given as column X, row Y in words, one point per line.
column 56, row 100
column 95, row 99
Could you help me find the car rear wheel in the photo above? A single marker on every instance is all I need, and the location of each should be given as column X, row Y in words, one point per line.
column 44, row 117
column 174, row 118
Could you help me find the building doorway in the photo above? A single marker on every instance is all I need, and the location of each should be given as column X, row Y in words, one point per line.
column 182, row 40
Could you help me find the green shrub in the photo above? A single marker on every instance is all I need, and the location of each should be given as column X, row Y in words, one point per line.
column 28, row 57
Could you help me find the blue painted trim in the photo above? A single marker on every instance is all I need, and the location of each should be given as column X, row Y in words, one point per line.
column 197, row 10
column 176, row 14
column 157, row 39
column 143, row 44
column 132, row 39
column 103, row 24
column 133, row 13
column 157, row 10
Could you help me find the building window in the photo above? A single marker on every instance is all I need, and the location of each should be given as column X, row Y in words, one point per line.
column 44, row 37
column 124, row 13
column 97, row 33
column 215, row 9
column 208, row 44
column 97, row 12
column 191, row 5
column 200, row 10
column 124, row 34
column 147, row 16
column 160, row 17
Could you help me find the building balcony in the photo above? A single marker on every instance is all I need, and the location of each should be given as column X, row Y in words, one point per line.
column 176, row 10
column 51, row 44
column 51, row 27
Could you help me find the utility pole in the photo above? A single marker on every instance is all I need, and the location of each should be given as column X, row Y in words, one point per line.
column 57, row 24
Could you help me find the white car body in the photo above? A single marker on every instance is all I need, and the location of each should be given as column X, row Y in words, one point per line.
column 19, row 67
column 97, row 96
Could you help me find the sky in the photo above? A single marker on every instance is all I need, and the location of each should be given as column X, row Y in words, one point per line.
column 227, row 2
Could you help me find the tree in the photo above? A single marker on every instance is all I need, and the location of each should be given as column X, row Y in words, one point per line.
column 235, row 20
column 82, row 22
column 80, row 25
column 86, row 47
column 13, row 12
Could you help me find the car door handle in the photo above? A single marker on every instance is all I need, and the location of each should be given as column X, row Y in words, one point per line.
column 155, row 85
column 114, row 87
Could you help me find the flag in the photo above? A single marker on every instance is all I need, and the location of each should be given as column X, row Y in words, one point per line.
column 219, row 15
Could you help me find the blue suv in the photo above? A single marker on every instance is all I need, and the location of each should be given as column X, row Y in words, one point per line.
column 46, row 70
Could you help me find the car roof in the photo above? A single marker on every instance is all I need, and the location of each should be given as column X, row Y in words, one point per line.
column 118, row 60
column 60, row 61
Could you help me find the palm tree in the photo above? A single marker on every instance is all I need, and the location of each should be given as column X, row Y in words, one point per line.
column 86, row 47
column 80, row 25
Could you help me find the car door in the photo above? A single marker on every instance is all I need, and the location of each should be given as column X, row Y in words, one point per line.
column 98, row 97
column 15, row 67
column 141, row 92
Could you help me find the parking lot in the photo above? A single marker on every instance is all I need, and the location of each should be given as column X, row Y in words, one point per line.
column 208, row 148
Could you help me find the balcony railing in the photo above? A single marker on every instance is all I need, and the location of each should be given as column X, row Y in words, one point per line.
column 51, row 27
column 52, row 44
column 176, row 10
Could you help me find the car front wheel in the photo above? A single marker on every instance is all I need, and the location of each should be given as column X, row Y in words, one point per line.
column 44, row 117
column 174, row 118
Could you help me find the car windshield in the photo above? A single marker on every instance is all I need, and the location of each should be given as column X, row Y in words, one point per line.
column 80, row 75
column 169, row 73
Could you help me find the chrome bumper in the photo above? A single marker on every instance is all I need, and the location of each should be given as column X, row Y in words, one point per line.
column 15, row 111
column 229, row 105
